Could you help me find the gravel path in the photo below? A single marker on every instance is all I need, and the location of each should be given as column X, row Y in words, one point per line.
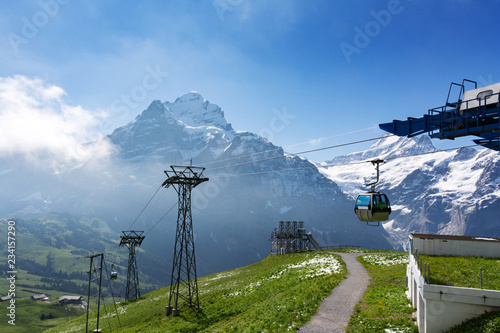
column 334, row 313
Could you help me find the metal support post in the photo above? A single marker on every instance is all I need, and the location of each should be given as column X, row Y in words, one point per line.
column 99, row 294
column 131, row 239
column 184, row 283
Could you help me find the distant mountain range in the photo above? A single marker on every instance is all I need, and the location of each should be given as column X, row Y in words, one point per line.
column 431, row 191
column 236, row 214
column 250, row 189
column 233, row 214
column 249, row 192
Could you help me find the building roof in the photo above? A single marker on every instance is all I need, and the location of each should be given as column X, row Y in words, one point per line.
column 452, row 237
column 69, row 298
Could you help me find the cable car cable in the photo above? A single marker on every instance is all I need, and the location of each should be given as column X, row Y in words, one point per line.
column 158, row 201
column 341, row 164
column 294, row 145
column 161, row 218
column 116, row 253
column 106, row 310
column 112, row 294
column 434, row 151
column 302, row 152
column 145, row 207
column 142, row 211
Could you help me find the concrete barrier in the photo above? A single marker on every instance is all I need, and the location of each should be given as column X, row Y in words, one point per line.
column 439, row 308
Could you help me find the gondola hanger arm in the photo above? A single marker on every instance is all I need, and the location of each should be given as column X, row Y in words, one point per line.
column 375, row 162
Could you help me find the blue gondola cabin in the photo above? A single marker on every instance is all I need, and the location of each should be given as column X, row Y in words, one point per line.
column 372, row 207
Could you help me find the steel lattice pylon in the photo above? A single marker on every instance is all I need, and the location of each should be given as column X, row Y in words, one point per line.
column 290, row 237
column 93, row 269
column 131, row 239
column 183, row 282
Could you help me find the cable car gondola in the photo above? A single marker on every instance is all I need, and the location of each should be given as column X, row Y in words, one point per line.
column 114, row 274
column 373, row 206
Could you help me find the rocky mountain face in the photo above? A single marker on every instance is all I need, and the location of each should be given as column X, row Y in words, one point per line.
column 252, row 187
column 455, row 192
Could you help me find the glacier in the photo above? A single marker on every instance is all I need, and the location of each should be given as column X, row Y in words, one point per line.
column 431, row 191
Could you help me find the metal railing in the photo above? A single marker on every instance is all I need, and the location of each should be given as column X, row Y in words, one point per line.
column 464, row 120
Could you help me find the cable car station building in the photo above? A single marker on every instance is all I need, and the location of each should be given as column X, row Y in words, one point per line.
column 440, row 307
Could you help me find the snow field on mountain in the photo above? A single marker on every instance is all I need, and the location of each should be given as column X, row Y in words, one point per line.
column 430, row 191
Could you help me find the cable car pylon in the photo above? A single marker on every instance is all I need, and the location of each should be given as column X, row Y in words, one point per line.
column 93, row 269
column 131, row 239
column 184, row 284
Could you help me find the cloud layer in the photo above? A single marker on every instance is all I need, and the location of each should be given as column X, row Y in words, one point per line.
column 35, row 121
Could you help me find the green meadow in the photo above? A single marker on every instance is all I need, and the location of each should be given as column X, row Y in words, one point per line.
column 278, row 294
column 384, row 305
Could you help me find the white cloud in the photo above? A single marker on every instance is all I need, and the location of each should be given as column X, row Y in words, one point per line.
column 36, row 121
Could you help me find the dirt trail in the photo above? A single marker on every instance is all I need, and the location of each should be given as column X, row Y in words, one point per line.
column 334, row 313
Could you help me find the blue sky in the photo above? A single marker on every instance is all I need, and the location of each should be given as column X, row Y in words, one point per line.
column 290, row 70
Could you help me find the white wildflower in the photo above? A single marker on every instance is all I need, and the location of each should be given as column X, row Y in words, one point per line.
column 386, row 259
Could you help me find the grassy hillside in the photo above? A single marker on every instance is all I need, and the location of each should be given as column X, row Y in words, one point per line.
column 278, row 294
column 50, row 258
column 50, row 255
column 36, row 316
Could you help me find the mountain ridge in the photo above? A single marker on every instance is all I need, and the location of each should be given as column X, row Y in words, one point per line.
column 233, row 214
column 431, row 191
column 255, row 202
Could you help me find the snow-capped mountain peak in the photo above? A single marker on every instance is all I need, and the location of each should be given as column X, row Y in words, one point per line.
column 389, row 146
column 192, row 96
column 392, row 145
column 193, row 110
column 155, row 110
